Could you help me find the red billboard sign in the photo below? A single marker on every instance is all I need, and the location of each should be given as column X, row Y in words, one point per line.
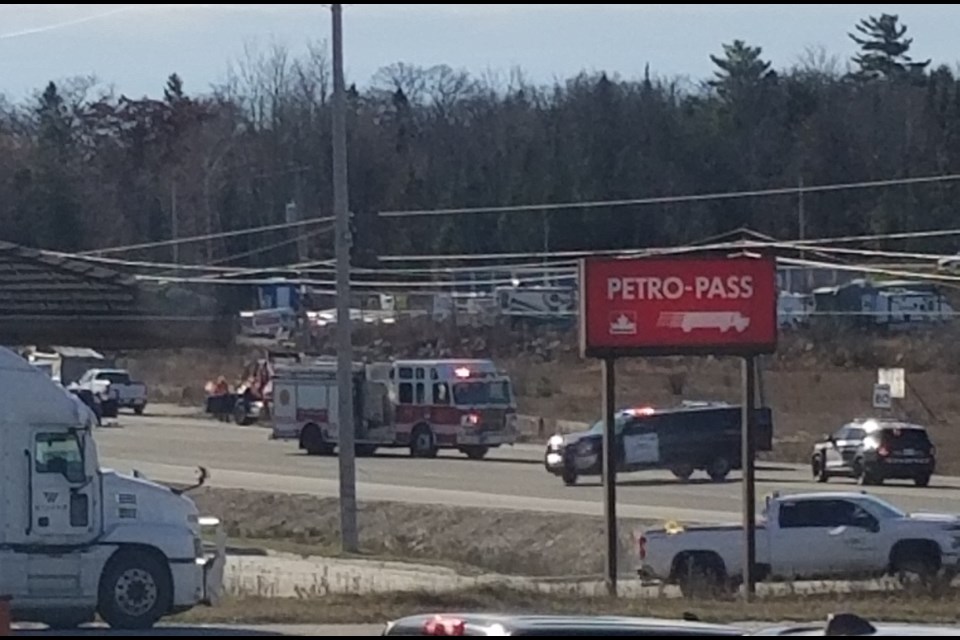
column 678, row 306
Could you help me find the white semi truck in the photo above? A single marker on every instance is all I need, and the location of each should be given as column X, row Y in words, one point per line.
column 77, row 540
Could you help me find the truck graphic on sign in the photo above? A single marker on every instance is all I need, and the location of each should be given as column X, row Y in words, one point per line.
column 688, row 321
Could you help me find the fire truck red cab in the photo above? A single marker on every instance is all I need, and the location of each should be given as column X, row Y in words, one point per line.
column 423, row 405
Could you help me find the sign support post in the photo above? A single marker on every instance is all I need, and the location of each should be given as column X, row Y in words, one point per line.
column 749, row 479
column 679, row 306
column 610, row 472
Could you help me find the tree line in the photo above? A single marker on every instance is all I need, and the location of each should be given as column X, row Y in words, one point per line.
column 82, row 168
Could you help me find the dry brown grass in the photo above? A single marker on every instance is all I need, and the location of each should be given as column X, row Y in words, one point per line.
column 498, row 541
column 378, row 608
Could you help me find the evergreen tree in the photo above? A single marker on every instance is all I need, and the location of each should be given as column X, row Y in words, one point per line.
column 741, row 70
column 884, row 49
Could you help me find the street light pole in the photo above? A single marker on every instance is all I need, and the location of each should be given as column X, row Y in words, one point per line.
column 349, row 534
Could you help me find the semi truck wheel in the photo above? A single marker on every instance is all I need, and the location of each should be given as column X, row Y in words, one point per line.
column 135, row 591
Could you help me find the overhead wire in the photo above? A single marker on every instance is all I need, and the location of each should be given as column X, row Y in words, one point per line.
column 541, row 207
column 732, row 195
column 207, row 236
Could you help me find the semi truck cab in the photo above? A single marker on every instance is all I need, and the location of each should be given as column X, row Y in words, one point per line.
column 76, row 539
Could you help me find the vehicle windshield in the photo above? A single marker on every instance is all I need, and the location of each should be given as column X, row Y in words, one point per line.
column 115, row 377
column 884, row 509
column 597, row 427
column 482, row 392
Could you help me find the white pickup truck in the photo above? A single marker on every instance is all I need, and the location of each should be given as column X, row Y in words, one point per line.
column 116, row 386
column 813, row 536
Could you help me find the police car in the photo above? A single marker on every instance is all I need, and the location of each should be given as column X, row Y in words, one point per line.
column 694, row 436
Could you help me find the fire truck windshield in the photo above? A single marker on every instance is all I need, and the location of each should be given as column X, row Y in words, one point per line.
column 481, row 392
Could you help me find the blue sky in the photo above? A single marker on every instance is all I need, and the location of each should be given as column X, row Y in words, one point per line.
column 135, row 47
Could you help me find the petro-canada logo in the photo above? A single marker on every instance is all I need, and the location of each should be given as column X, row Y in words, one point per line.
column 623, row 323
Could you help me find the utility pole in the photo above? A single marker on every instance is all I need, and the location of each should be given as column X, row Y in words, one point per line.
column 802, row 230
column 174, row 222
column 349, row 534
column 302, row 337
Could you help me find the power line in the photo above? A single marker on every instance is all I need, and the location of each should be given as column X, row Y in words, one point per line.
column 330, row 283
column 559, row 258
column 582, row 253
column 705, row 197
column 911, row 275
column 906, row 255
column 593, row 204
column 207, row 236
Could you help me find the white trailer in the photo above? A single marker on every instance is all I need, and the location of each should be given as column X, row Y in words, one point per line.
column 76, row 539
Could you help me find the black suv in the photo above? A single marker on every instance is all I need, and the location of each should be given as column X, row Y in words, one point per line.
column 876, row 450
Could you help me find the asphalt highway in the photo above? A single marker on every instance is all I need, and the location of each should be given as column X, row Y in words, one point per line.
column 170, row 447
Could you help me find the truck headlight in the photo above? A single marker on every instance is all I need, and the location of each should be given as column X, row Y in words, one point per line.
column 555, row 442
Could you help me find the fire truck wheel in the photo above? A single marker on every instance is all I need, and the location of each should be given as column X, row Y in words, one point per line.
column 475, row 452
column 422, row 443
column 311, row 440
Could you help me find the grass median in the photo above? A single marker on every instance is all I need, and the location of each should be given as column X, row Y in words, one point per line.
column 380, row 607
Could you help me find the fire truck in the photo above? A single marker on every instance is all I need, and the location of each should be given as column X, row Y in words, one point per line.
column 423, row 405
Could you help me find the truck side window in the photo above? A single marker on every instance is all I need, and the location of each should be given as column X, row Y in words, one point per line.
column 406, row 393
column 863, row 519
column 59, row 453
column 421, row 393
column 406, row 373
column 441, row 393
column 823, row 514
column 808, row 513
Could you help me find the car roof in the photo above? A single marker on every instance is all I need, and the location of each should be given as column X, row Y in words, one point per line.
column 827, row 495
column 880, row 424
column 546, row 625
column 646, row 411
